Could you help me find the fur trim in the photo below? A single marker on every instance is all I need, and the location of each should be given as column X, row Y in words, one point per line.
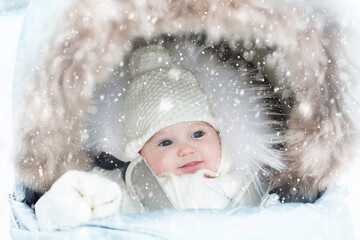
column 303, row 44
column 232, row 90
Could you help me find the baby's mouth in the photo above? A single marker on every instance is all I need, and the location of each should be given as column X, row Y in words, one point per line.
column 193, row 164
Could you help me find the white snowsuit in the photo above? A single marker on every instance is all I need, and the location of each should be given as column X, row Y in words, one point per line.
column 78, row 197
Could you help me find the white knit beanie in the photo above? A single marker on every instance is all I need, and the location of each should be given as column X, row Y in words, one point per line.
column 160, row 95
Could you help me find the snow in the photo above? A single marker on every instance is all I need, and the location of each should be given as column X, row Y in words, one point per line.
column 10, row 25
column 352, row 180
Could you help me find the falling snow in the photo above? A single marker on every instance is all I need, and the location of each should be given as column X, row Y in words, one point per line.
column 333, row 201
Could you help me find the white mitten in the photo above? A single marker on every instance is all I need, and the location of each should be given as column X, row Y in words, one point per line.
column 77, row 197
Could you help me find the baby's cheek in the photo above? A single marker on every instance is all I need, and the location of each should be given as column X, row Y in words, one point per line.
column 216, row 156
column 160, row 165
column 152, row 166
column 215, row 149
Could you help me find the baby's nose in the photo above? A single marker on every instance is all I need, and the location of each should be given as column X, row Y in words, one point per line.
column 186, row 149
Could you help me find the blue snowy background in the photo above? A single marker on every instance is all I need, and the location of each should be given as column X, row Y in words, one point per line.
column 11, row 18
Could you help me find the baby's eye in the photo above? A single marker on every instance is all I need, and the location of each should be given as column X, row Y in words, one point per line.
column 198, row 134
column 165, row 143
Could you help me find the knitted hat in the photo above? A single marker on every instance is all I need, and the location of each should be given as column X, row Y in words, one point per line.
column 160, row 95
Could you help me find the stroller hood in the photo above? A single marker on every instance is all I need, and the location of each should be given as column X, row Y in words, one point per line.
column 301, row 48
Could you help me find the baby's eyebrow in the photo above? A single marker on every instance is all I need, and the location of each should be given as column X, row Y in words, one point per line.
column 203, row 127
column 159, row 137
column 203, row 124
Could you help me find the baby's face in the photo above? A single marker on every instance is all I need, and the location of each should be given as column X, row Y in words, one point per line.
column 183, row 148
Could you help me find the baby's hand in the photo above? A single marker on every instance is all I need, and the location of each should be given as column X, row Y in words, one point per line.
column 75, row 198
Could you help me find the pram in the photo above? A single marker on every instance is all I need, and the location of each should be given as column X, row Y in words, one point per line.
column 298, row 49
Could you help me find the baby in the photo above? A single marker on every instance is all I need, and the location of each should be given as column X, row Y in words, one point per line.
column 168, row 119
column 169, row 122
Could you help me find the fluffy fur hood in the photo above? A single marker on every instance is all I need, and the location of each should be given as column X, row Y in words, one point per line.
column 300, row 47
